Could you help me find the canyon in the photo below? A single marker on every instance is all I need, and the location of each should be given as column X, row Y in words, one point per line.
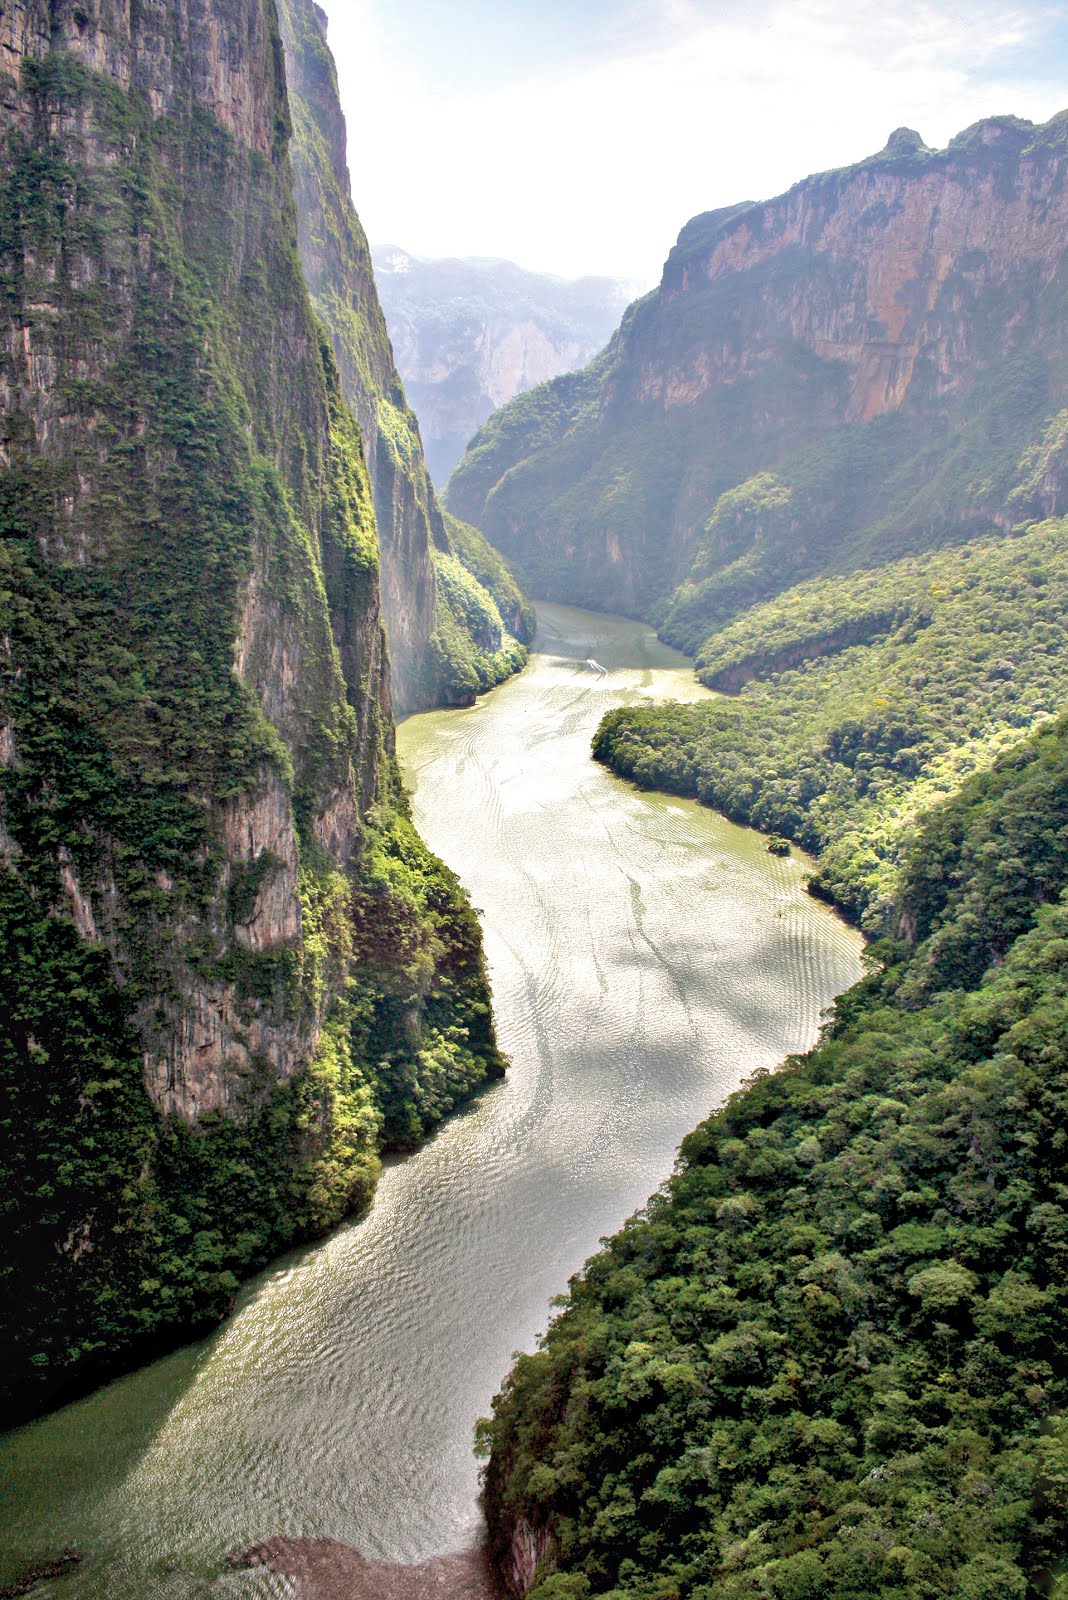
column 827, row 458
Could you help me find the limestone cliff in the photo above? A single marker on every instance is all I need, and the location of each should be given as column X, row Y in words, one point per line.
column 337, row 266
column 471, row 334
column 873, row 362
column 230, row 969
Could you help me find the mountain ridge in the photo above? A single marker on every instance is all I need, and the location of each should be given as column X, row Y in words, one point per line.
column 885, row 342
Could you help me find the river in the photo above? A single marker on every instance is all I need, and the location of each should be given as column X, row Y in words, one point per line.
column 646, row 957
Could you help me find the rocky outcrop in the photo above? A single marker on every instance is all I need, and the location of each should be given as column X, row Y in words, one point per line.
column 887, row 340
column 325, row 1569
column 898, row 259
column 470, row 334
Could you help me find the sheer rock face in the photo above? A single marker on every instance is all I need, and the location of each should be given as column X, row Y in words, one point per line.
column 232, row 974
column 163, row 386
column 894, row 263
column 222, row 59
column 921, row 293
column 340, row 278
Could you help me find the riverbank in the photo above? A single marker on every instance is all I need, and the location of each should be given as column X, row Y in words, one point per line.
column 646, row 957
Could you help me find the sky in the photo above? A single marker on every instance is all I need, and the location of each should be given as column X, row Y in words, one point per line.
column 578, row 136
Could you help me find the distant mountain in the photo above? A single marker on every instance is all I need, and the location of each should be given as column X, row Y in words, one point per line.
column 469, row 335
column 873, row 364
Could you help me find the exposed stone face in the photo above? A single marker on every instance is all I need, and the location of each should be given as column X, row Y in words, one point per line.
column 255, row 827
column 307, row 636
column 340, row 279
column 224, row 60
column 921, row 291
column 81, row 909
column 890, row 263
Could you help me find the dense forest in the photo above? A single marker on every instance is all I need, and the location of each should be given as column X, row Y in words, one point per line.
column 861, row 701
column 830, row 1358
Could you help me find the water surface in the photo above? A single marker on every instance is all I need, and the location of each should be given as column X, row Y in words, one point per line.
column 646, row 957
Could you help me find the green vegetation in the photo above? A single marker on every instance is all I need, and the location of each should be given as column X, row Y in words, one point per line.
column 469, row 650
column 187, row 490
column 829, row 1360
column 125, row 1231
column 495, row 575
column 863, row 701
column 482, row 617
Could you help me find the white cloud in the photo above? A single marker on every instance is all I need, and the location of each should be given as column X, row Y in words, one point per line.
column 594, row 168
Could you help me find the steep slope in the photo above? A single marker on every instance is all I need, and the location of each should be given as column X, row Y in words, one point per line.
column 231, row 971
column 434, row 656
column 471, row 334
column 829, row 1360
column 872, row 364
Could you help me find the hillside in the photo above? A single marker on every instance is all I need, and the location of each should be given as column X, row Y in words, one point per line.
column 855, row 703
column 829, row 1358
column 871, row 365
column 434, row 655
column 232, row 973
column 827, row 458
column 470, row 334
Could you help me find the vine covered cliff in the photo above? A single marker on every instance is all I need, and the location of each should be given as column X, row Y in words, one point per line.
column 872, row 364
column 231, row 970
column 437, row 655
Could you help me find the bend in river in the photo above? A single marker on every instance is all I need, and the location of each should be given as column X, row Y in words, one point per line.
column 646, row 957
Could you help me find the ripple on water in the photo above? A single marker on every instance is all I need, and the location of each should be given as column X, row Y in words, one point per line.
column 646, row 957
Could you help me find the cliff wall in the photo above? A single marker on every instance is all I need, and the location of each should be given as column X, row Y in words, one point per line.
column 431, row 651
column 231, row 970
column 872, row 363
